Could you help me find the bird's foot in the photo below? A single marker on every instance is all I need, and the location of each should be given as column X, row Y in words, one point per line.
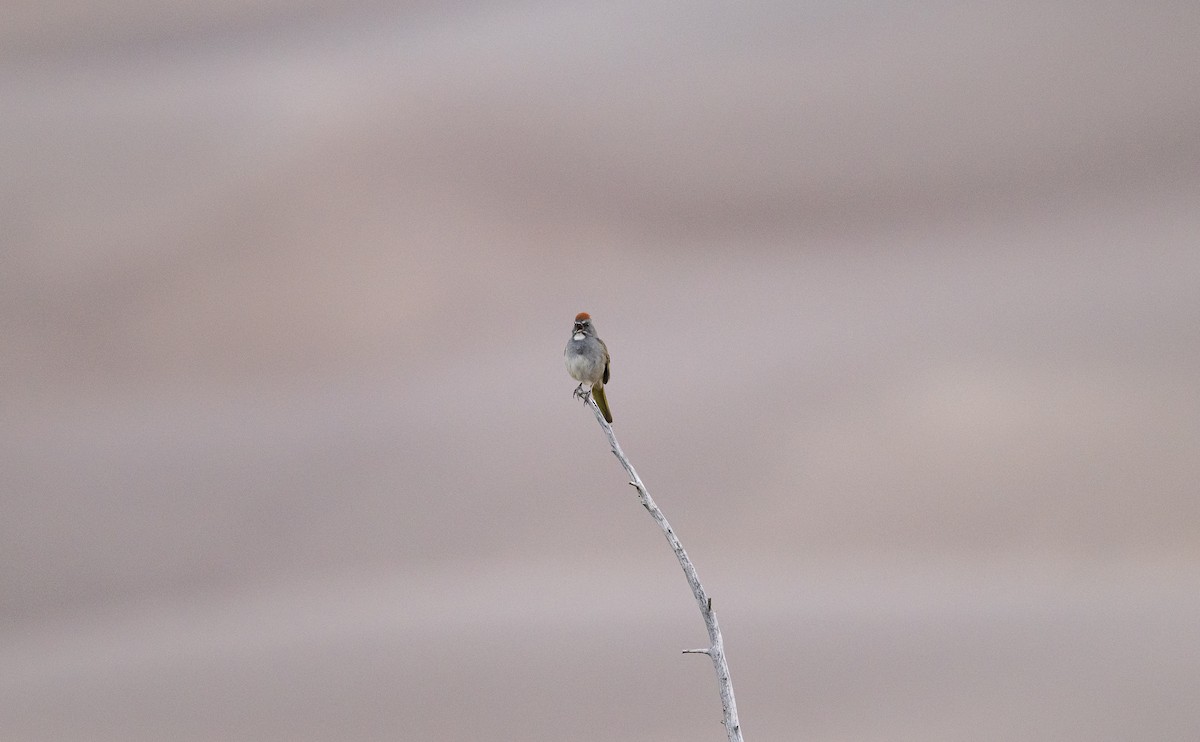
column 583, row 393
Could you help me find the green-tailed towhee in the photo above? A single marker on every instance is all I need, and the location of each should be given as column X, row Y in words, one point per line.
column 587, row 362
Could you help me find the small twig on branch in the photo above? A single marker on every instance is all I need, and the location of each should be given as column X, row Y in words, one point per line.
column 716, row 650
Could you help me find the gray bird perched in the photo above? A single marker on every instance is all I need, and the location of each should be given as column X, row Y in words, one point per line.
column 587, row 362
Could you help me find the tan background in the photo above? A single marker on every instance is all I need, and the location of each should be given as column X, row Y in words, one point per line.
column 903, row 304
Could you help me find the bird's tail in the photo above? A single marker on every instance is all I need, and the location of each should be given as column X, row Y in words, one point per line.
column 601, row 401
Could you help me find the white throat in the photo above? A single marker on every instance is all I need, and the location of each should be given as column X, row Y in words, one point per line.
column 578, row 336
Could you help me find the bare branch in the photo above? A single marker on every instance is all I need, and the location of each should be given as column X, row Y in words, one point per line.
column 717, row 649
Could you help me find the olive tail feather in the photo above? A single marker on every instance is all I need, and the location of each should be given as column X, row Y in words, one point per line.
column 601, row 402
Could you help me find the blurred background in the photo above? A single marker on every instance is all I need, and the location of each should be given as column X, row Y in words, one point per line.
column 903, row 304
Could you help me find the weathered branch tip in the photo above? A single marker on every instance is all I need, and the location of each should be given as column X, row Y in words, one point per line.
column 715, row 650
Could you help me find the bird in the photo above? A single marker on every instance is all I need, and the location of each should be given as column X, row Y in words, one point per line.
column 587, row 362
